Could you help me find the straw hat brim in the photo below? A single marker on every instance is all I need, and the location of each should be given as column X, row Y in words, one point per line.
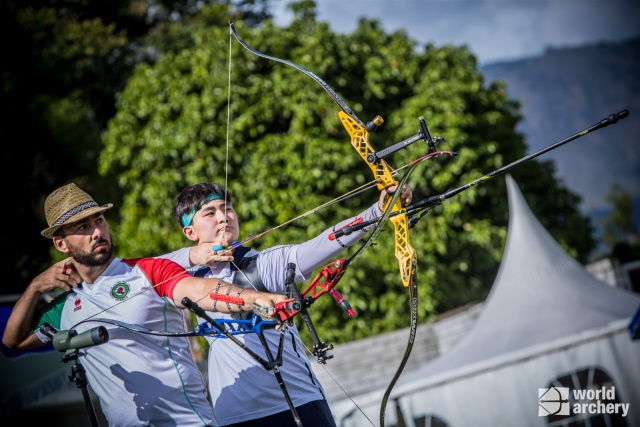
column 49, row 232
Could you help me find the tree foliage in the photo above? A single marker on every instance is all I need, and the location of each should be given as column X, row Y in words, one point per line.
column 64, row 62
column 620, row 225
column 288, row 153
column 619, row 228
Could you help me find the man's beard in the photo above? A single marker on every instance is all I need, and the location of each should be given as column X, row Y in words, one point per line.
column 92, row 259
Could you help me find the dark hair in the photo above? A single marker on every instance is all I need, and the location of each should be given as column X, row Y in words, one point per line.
column 192, row 196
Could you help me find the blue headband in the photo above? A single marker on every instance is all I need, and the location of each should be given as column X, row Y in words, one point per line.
column 188, row 217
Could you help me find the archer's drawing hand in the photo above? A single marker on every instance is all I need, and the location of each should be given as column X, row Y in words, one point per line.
column 405, row 196
column 62, row 274
column 203, row 254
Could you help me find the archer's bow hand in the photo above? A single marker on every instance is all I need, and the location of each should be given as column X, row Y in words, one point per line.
column 263, row 312
column 405, row 196
column 267, row 302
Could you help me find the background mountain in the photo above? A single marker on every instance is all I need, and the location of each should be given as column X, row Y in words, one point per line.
column 567, row 90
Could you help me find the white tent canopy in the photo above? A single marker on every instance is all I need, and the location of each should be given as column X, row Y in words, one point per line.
column 540, row 294
column 545, row 316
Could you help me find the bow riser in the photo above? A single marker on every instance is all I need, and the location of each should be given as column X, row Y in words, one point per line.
column 406, row 255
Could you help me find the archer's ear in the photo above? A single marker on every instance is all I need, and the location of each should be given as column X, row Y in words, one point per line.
column 60, row 244
column 190, row 233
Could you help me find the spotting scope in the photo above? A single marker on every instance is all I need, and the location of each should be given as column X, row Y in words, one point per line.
column 70, row 340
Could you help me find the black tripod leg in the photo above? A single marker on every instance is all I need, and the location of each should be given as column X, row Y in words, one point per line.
column 79, row 377
column 89, row 405
column 276, row 371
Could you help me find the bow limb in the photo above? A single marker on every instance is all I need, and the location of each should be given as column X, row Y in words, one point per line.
column 341, row 104
column 406, row 255
column 413, row 295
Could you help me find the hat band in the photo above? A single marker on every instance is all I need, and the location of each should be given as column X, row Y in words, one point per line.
column 74, row 211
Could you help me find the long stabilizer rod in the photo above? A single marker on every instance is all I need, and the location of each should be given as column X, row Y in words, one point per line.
column 427, row 205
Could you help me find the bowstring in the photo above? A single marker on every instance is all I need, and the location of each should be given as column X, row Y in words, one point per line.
column 226, row 166
column 225, row 206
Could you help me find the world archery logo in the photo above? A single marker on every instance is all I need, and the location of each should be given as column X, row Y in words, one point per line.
column 553, row 401
column 120, row 291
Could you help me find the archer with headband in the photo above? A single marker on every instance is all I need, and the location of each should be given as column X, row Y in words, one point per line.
column 206, row 216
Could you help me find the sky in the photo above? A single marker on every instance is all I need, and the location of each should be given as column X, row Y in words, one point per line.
column 494, row 30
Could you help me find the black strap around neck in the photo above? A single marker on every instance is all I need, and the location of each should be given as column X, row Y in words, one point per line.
column 246, row 274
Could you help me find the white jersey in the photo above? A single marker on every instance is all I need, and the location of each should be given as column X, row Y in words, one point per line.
column 140, row 379
column 241, row 389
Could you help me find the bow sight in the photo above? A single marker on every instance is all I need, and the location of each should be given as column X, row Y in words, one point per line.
column 424, row 135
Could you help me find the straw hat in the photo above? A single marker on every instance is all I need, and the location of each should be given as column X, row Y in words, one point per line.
column 67, row 205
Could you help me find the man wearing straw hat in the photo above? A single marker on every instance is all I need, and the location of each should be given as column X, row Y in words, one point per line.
column 205, row 214
column 139, row 378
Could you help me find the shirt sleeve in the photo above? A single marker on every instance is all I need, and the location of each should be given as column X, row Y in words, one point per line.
column 272, row 267
column 163, row 274
column 320, row 250
column 50, row 313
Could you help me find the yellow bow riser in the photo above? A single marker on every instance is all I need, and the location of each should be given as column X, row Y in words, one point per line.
column 404, row 252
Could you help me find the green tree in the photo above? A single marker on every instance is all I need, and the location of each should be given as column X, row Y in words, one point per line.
column 65, row 61
column 288, row 152
column 619, row 228
column 56, row 82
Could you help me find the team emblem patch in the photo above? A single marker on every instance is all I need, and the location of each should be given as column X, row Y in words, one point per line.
column 120, row 291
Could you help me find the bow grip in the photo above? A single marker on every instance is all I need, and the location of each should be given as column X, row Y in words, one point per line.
column 287, row 309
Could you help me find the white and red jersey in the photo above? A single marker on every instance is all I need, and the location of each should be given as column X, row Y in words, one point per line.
column 140, row 379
